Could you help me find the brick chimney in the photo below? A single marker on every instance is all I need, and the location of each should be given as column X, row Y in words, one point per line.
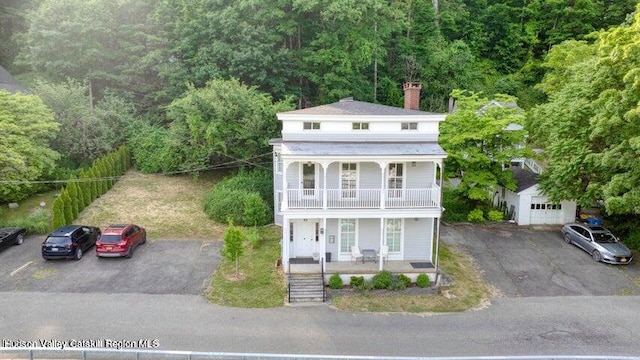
column 412, row 95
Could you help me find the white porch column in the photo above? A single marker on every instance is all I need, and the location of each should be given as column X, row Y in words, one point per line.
column 324, row 165
column 285, row 244
column 380, row 267
column 383, row 187
column 323, row 242
column 285, row 188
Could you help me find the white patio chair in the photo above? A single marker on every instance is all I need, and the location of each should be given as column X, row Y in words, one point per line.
column 384, row 252
column 356, row 254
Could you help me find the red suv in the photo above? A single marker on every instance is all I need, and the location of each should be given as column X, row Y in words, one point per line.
column 120, row 240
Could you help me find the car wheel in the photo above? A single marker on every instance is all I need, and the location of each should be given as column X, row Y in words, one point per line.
column 567, row 238
column 144, row 239
column 596, row 255
column 78, row 253
column 20, row 239
column 128, row 254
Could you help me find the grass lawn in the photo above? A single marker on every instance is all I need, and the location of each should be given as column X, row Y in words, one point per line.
column 259, row 284
column 169, row 207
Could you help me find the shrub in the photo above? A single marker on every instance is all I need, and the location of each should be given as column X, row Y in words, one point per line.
column 456, row 205
column 476, row 216
column 335, row 281
column 68, row 213
column 58, row 213
column 357, row 282
column 253, row 236
column 404, row 279
column 382, row 280
column 221, row 204
column 495, row 215
column 423, row 280
column 38, row 222
column 633, row 239
column 397, row 284
column 255, row 210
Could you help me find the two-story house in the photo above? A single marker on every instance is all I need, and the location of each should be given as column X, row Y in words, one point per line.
column 357, row 187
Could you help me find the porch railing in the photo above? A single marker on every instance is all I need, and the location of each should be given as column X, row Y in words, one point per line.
column 363, row 198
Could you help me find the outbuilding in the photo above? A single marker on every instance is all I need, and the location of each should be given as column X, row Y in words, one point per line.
column 528, row 206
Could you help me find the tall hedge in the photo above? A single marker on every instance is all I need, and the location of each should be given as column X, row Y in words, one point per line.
column 73, row 196
column 68, row 211
column 58, row 212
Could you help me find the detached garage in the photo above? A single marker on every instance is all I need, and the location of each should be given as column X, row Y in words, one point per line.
column 527, row 206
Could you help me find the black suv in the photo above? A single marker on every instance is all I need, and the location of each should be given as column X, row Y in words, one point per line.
column 69, row 242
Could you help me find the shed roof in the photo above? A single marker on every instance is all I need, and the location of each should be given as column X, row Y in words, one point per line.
column 524, row 177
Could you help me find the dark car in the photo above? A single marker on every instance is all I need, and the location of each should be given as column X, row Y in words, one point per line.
column 120, row 240
column 69, row 242
column 597, row 241
column 11, row 236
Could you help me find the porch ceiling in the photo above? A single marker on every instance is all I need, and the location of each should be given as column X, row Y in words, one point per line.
column 362, row 149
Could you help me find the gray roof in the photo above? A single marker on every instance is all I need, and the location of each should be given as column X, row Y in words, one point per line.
column 349, row 106
column 362, row 149
column 524, row 177
column 7, row 82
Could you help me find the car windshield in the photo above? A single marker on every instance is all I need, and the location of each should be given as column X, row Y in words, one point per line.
column 110, row 239
column 57, row 240
column 603, row 237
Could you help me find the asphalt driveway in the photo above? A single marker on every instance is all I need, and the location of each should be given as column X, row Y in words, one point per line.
column 157, row 267
column 526, row 261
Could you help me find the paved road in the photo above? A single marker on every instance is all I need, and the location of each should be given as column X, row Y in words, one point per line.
column 510, row 326
column 522, row 261
column 157, row 267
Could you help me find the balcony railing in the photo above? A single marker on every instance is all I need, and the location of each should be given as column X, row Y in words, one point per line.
column 363, row 198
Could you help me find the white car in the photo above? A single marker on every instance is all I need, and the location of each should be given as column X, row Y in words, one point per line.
column 597, row 241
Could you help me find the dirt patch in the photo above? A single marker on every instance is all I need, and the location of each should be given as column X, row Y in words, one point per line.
column 169, row 207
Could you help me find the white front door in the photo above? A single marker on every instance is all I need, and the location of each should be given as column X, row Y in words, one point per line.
column 304, row 238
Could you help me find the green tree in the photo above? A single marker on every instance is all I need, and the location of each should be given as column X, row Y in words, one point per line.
column 58, row 213
column 67, row 207
column 233, row 247
column 592, row 146
column 478, row 142
column 255, row 210
column 73, row 195
column 27, row 127
column 85, row 188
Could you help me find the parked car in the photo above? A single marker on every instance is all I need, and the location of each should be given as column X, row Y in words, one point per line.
column 120, row 240
column 597, row 241
column 11, row 236
column 69, row 242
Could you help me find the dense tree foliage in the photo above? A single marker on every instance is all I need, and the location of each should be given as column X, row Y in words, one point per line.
column 27, row 127
column 480, row 139
column 591, row 125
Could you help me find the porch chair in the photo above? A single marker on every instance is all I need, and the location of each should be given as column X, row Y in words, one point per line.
column 384, row 252
column 356, row 254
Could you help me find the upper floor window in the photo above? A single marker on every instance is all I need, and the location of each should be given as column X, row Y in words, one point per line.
column 307, row 125
column 409, row 126
column 360, row 126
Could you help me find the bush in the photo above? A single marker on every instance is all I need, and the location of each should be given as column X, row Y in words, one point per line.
column 404, row 279
column 255, row 210
column 456, row 205
column 253, row 236
column 476, row 216
column 335, row 281
column 38, row 222
column 382, row 280
column 423, row 280
column 221, row 204
column 633, row 239
column 357, row 282
column 397, row 284
column 495, row 215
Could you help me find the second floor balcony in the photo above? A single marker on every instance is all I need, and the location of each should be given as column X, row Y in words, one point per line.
column 362, row 198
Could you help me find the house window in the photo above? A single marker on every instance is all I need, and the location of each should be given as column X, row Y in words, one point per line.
column 349, row 179
column 279, row 200
column 409, row 126
column 395, row 179
column 360, row 126
column 278, row 163
column 393, row 234
column 347, row 235
column 311, row 125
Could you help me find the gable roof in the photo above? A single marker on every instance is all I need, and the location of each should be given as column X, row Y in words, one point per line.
column 9, row 83
column 525, row 178
column 348, row 106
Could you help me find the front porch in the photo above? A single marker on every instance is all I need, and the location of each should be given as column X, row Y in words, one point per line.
column 357, row 268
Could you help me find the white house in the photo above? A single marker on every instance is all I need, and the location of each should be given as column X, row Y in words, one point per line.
column 353, row 178
column 527, row 205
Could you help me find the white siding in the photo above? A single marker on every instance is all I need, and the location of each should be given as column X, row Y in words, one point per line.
column 369, row 234
column 418, row 239
column 419, row 176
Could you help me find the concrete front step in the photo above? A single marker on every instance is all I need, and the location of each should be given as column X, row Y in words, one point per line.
column 306, row 288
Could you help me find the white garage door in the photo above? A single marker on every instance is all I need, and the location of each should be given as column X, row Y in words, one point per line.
column 544, row 212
